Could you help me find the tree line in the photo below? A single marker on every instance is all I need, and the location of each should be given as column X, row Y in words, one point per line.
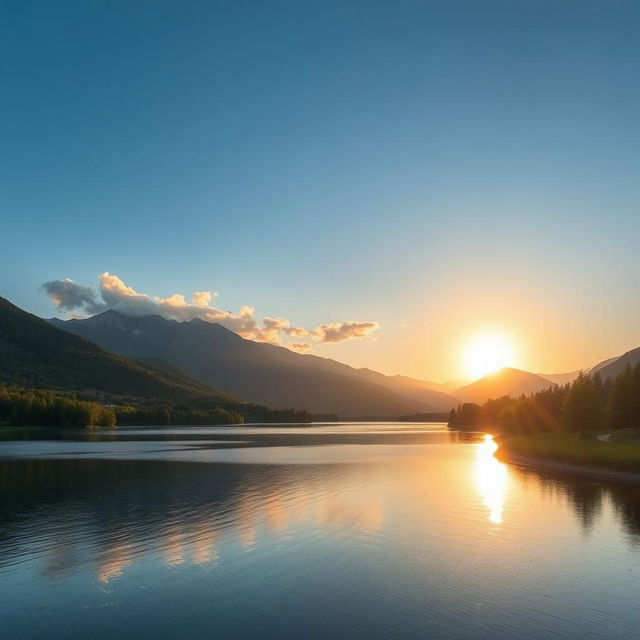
column 587, row 404
column 202, row 412
column 175, row 415
column 35, row 407
column 26, row 407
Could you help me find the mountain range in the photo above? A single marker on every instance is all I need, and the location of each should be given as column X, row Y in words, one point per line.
column 259, row 372
column 34, row 353
column 152, row 357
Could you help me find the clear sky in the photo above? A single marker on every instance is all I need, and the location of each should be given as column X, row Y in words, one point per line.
column 440, row 168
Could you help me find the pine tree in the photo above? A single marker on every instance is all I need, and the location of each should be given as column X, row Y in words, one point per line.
column 583, row 409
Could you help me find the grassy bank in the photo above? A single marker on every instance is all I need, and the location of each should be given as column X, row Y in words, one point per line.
column 627, row 436
column 571, row 449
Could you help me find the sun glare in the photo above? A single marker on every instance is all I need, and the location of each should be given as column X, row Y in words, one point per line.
column 487, row 353
column 491, row 479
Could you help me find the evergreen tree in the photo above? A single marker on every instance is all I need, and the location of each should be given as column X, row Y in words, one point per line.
column 623, row 400
column 583, row 409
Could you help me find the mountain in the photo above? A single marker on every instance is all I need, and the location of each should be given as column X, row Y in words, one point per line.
column 259, row 372
column 411, row 388
column 35, row 353
column 608, row 368
column 447, row 387
column 504, row 382
column 560, row 378
column 601, row 365
column 615, row 366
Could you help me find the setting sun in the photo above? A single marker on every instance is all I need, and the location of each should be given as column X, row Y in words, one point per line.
column 487, row 353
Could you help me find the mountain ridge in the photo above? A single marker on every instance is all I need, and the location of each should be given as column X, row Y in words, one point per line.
column 36, row 353
column 504, row 382
column 259, row 372
column 613, row 367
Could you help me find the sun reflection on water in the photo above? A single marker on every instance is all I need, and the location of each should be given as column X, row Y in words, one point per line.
column 491, row 479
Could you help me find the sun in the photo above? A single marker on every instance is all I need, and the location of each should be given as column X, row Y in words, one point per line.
column 487, row 353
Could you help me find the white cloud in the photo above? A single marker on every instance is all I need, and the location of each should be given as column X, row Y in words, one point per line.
column 300, row 347
column 343, row 331
column 202, row 298
column 114, row 294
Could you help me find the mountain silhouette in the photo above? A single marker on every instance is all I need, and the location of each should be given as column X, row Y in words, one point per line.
column 615, row 366
column 37, row 354
column 504, row 382
column 254, row 371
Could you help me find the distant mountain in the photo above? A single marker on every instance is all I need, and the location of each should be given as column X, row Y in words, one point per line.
column 615, row 366
column 35, row 353
column 505, row 382
column 601, row 365
column 560, row 378
column 410, row 388
column 447, row 387
column 255, row 371
column 607, row 368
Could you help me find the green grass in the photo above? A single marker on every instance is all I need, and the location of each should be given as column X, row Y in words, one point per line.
column 569, row 448
column 627, row 436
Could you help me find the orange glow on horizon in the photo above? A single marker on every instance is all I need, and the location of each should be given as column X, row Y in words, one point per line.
column 487, row 353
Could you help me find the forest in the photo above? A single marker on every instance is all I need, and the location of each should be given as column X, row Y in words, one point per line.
column 26, row 407
column 586, row 405
column 35, row 407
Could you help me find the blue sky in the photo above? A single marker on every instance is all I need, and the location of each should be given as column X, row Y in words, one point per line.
column 440, row 168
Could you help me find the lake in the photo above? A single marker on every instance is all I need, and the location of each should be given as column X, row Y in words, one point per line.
column 324, row 531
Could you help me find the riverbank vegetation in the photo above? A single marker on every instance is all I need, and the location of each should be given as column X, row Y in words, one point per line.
column 26, row 407
column 34, row 408
column 584, row 406
column 625, row 436
column 559, row 424
column 570, row 449
column 164, row 415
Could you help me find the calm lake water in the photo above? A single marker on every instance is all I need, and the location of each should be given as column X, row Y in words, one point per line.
column 328, row 531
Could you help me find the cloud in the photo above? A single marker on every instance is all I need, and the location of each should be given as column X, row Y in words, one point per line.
column 114, row 294
column 300, row 347
column 271, row 328
column 296, row 332
column 202, row 298
column 68, row 295
column 343, row 331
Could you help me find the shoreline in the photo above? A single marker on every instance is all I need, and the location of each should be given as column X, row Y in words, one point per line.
column 543, row 464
